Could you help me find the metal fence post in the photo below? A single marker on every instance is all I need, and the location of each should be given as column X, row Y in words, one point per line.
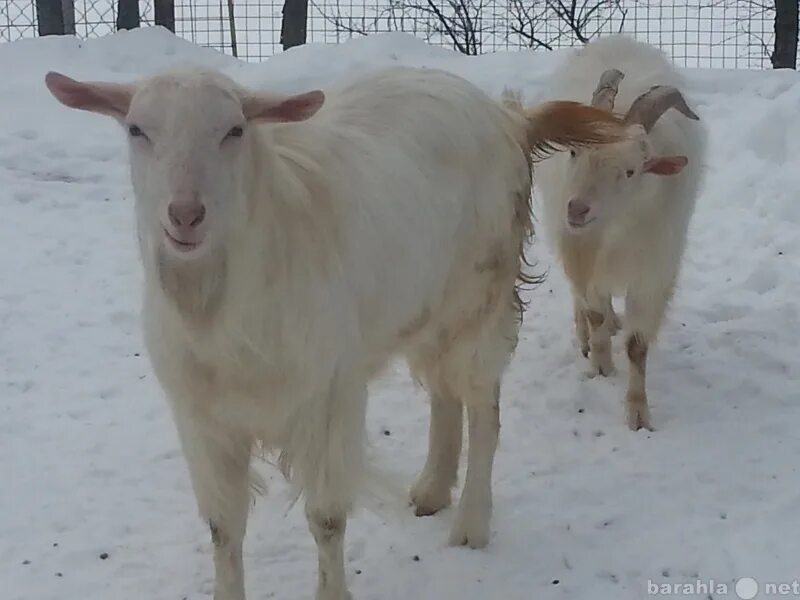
column 784, row 55
column 165, row 13
column 232, row 25
column 294, row 23
column 128, row 14
column 68, row 15
column 55, row 17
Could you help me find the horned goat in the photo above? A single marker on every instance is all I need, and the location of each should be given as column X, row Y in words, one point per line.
column 618, row 214
column 293, row 244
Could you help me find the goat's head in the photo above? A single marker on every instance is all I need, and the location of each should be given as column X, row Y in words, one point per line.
column 188, row 135
column 602, row 179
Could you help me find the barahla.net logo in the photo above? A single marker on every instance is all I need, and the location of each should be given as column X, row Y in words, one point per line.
column 745, row 588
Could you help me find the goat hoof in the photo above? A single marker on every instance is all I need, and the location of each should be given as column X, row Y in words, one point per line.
column 637, row 415
column 426, row 510
column 601, row 370
column 428, row 498
column 470, row 529
column 606, row 370
column 475, row 538
column 324, row 594
column 589, row 374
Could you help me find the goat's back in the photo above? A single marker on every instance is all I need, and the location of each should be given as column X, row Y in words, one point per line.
column 426, row 176
column 644, row 65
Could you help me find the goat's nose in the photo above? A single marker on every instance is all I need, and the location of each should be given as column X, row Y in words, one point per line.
column 186, row 213
column 577, row 209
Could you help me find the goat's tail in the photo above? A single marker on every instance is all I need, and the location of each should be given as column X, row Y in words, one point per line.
column 559, row 124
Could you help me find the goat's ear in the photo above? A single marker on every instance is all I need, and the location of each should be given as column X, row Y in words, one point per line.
column 665, row 165
column 282, row 109
column 112, row 99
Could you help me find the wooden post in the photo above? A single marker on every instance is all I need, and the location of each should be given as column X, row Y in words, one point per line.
column 294, row 23
column 128, row 14
column 784, row 56
column 165, row 13
column 55, row 17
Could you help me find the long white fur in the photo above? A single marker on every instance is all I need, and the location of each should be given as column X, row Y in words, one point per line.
column 635, row 247
column 391, row 222
column 292, row 245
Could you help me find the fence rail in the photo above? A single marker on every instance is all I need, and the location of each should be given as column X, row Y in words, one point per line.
column 705, row 33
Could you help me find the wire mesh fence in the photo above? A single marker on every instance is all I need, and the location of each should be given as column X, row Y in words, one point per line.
column 706, row 33
column 17, row 19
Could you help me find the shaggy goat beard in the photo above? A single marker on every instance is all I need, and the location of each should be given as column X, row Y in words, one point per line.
column 196, row 287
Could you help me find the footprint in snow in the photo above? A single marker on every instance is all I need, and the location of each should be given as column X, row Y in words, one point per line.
column 27, row 134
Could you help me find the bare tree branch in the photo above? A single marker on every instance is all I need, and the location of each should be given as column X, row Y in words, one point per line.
column 578, row 21
column 524, row 18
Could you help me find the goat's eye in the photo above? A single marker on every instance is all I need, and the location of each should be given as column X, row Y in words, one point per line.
column 629, row 173
column 135, row 131
column 573, row 154
column 235, row 132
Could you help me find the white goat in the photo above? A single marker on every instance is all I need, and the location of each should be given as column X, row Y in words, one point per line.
column 292, row 245
column 618, row 214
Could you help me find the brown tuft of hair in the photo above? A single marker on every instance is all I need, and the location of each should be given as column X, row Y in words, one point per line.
column 560, row 124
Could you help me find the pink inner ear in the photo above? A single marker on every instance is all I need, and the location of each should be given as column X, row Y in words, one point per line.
column 666, row 165
column 284, row 110
column 105, row 98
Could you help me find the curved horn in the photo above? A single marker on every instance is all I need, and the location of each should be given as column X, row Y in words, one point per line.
column 649, row 107
column 607, row 89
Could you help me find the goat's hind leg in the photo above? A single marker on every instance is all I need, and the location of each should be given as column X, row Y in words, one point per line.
column 600, row 327
column 581, row 326
column 473, row 368
column 471, row 527
column 615, row 325
column 432, row 490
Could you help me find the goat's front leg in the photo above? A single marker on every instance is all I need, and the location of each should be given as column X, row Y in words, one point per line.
column 330, row 463
column 219, row 465
column 600, row 326
column 328, row 528
column 644, row 312
column 637, row 411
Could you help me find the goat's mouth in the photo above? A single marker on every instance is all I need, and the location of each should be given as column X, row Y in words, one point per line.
column 181, row 245
column 578, row 225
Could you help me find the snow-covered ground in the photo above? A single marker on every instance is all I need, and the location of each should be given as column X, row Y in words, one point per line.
column 96, row 502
